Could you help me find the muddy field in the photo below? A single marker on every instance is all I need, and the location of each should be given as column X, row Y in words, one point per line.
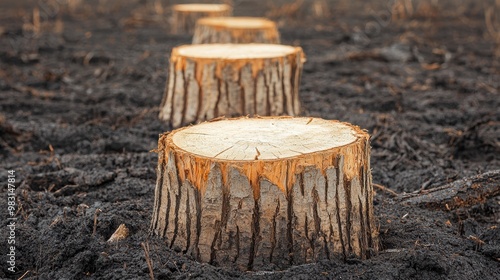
column 80, row 91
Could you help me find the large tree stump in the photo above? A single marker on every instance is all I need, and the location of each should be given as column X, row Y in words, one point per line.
column 212, row 80
column 184, row 16
column 236, row 30
column 266, row 192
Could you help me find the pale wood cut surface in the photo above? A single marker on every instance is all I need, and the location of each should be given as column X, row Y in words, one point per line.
column 265, row 213
column 190, row 8
column 235, row 51
column 238, row 22
column 263, row 139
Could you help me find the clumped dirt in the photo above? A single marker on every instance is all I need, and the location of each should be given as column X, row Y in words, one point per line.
column 79, row 104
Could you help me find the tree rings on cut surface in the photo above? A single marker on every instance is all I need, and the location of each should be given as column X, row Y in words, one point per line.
column 184, row 16
column 236, row 30
column 212, row 80
column 266, row 192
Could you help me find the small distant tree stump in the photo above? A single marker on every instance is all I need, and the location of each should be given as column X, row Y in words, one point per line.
column 236, row 30
column 266, row 192
column 212, row 80
column 184, row 16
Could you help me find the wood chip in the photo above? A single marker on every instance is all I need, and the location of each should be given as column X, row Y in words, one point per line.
column 121, row 233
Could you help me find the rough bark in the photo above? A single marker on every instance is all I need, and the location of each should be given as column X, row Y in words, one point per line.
column 202, row 88
column 184, row 16
column 235, row 30
column 261, row 213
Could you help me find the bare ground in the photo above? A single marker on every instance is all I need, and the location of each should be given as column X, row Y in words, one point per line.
column 79, row 103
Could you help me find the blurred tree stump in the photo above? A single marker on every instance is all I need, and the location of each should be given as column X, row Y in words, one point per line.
column 212, row 80
column 184, row 16
column 238, row 30
column 266, row 192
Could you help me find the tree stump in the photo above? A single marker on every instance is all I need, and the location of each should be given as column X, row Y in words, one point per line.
column 184, row 16
column 236, row 30
column 266, row 192
column 212, row 80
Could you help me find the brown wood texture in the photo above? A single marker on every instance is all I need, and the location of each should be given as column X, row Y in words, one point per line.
column 254, row 213
column 202, row 88
column 235, row 30
column 184, row 16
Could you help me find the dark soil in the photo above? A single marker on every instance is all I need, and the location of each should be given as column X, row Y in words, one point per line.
column 79, row 104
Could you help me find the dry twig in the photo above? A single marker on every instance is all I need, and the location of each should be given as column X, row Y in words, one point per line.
column 24, row 275
column 148, row 259
column 121, row 233
column 97, row 211
column 385, row 189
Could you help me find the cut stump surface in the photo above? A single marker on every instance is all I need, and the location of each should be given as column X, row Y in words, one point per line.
column 212, row 80
column 236, row 30
column 184, row 16
column 266, row 192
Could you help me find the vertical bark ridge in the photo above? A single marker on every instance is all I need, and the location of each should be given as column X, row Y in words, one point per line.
column 287, row 88
column 296, row 81
column 196, row 251
column 224, row 217
column 211, row 204
column 273, row 230
column 329, row 238
column 166, row 107
column 255, row 100
column 364, row 213
column 242, row 94
column 178, row 99
column 340, row 221
column 290, row 224
column 188, row 223
column 308, row 238
column 278, row 100
column 235, row 259
column 185, row 95
column 317, row 225
column 255, row 233
column 193, row 92
column 173, row 191
column 348, row 204
column 248, row 86
column 363, row 239
column 177, row 206
column 269, row 88
column 158, row 193
column 219, row 111
column 369, row 213
column 214, row 242
column 167, row 215
column 260, row 94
